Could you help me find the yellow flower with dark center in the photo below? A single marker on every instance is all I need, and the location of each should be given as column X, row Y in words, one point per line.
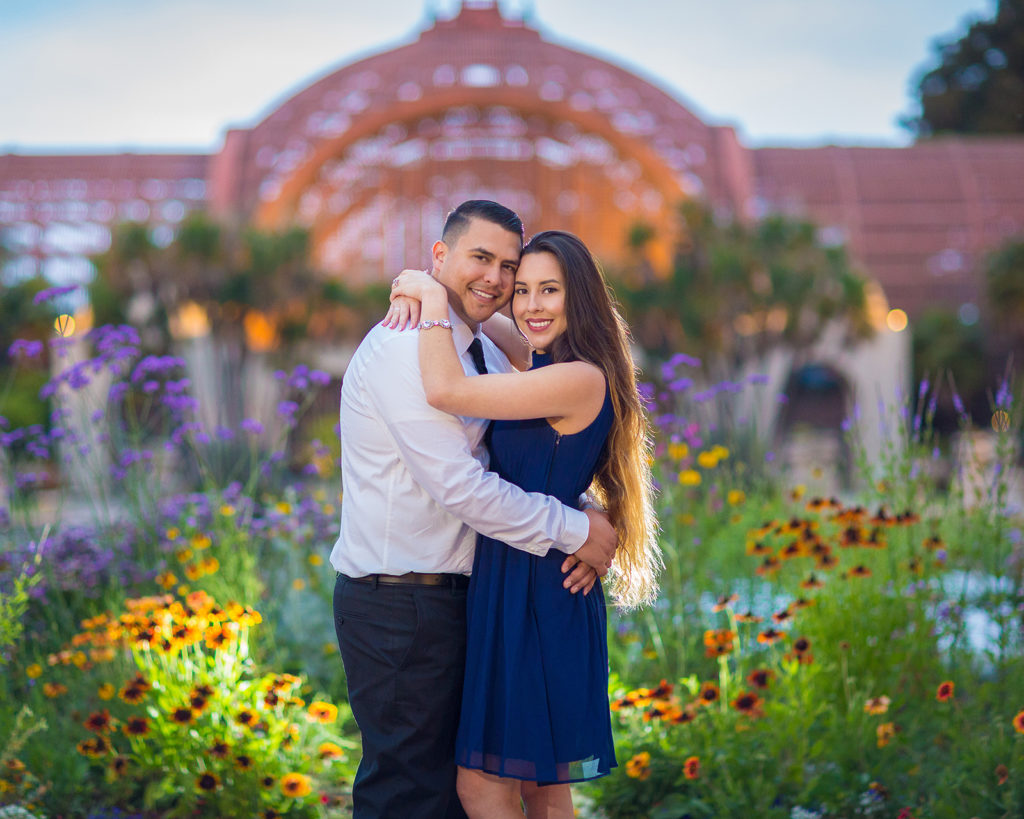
column 770, row 636
column 760, row 677
column 1018, row 722
column 132, row 694
column 118, row 766
column 639, row 767
column 768, row 566
column 243, row 762
column 54, row 690
column 193, row 571
column 267, row 782
column 99, row 722
column 209, row 565
column 691, row 767
column 270, row 813
column 14, row 765
column 183, row 555
column 748, row 617
column 94, row 747
column 735, row 497
column 724, row 602
column 198, row 703
column 757, row 547
column 166, row 579
column 884, row 733
column 220, row 749
column 826, row 561
column 182, row 715
column 329, row 750
column 860, row 570
column 136, row 726
column 207, row 782
column 945, row 691
column 748, row 703
column 295, row 784
column 934, row 542
column 246, row 717
column 782, row 616
column 708, row 694
column 877, row 705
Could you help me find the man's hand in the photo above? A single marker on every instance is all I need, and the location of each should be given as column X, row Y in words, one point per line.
column 598, row 550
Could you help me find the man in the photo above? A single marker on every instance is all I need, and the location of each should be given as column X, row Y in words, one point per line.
column 415, row 492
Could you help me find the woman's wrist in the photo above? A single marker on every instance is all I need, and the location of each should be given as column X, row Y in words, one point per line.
column 434, row 304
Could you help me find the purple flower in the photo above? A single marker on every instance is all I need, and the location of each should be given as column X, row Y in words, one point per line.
column 922, row 390
column 53, row 292
column 150, row 386
column 683, row 358
column 782, row 398
column 319, row 377
column 252, row 426
column 680, row 384
column 28, row 349
column 1004, row 397
column 958, row 404
column 846, row 424
column 757, row 378
column 287, row 410
column 224, row 433
column 769, row 456
column 701, row 397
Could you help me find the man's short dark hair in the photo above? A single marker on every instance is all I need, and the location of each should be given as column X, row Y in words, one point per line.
column 458, row 220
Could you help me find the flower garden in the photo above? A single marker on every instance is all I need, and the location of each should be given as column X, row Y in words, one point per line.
column 168, row 649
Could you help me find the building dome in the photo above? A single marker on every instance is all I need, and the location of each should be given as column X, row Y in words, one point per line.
column 371, row 157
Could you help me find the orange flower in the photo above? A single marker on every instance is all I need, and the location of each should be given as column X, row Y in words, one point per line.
column 748, row 703
column 54, row 690
column 182, row 715
column 98, row 722
column 801, row 651
column 1002, row 774
column 1018, row 722
column 945, row 691
column 323, row 712
column 826, row 561
column 691, row 767
column 295, row 784
column 329, row 750
column 96, row 746
column 220, row 749
column 639, row 767
column 760, row 677
column 246, row 717
column 884, row 733
column 748, row 617
column 877, row 705
column 860, row 571
column 771, row 636
column 243, row 762
column 812, row 582
column 782, row 616
column 724, row 602
column 118, row 766
column 768, row 566
column 683, row 715
column 136, row 726
column 758, row 548
column 934, row 542
column 708, row 694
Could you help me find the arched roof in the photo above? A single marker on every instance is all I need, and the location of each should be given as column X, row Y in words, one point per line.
column 477, row 105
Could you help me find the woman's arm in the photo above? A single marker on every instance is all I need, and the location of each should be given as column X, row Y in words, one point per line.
column 574, row 388
column 502, row 330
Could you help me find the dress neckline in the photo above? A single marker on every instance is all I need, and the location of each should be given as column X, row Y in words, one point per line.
column 540, row 359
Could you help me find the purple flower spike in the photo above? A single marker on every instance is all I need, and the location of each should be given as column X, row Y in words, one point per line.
column 680, row 384
column 252, row 426
column 958, row 404
column 319, row 377
column 53, row 292
column 23, row 347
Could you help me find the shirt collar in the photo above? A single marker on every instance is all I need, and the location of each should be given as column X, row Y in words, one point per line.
column 462, row 335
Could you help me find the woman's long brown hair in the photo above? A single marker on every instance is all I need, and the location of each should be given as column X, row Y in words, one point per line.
column 596, row 333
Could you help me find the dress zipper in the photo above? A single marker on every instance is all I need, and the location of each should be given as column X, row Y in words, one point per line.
column 551, row 462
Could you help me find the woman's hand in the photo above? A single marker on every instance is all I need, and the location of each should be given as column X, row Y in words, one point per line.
column 416, row 284
column 403, row 312
column 407, row 291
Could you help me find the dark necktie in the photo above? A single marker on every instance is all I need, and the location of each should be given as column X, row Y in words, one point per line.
column 476, row 349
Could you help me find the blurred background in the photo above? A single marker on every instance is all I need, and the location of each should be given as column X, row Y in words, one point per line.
column 829, row 196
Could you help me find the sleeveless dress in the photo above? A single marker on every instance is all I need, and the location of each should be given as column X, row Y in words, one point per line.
column 535, row 698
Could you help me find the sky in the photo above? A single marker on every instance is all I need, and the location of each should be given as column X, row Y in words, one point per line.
column 167, row 75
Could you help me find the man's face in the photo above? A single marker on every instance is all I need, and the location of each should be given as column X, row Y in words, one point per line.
column 479, row 270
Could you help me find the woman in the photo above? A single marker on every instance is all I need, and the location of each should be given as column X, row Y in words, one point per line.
column 535, row 711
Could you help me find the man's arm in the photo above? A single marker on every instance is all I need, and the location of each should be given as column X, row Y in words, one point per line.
column 434, row 448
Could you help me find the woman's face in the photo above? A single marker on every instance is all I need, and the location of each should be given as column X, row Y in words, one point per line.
column 538, row 299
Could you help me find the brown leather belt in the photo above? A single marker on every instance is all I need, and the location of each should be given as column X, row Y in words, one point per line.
column 456, row 581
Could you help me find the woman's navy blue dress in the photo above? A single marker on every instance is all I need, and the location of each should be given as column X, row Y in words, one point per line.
column 535, row 699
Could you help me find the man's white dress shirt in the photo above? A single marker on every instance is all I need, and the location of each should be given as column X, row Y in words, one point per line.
column 415, row 490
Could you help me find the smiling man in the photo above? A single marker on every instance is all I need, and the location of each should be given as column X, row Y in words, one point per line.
column 415, row 493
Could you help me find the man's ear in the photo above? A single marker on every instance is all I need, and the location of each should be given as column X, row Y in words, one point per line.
column 438, row 254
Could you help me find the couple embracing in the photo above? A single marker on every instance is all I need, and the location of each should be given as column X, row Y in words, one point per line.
column 469, row 607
